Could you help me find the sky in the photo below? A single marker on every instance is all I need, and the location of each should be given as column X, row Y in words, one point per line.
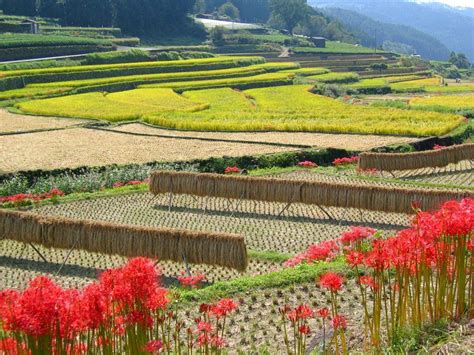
column 466, row 3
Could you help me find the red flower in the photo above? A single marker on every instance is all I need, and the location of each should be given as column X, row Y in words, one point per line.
column 232, row 170
column 218, row 342
column 192, row 281
column 356, row 234
column 345, row 161
column 323, row 313
column 339, row 322
column 304, row 329
column 439, row 147
column 223, row 308
column 331, row 281
column 307, row 164
column 368, row 281
column 154, row 346
column 204, row 327
column 355, row 258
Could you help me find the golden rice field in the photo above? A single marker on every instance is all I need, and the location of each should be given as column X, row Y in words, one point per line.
column 461, row 102
column 432, row 85
column 283, row 108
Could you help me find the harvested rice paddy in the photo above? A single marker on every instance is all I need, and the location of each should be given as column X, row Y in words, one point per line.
column 89, row 147
column 13, row 123
column 323, row 140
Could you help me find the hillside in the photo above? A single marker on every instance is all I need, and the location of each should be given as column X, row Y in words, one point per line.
column 399, row 38
column 453, row 27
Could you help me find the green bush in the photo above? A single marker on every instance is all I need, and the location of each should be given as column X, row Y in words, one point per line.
column 164, row 56
column 17, row 53
column 127, row 42
column 134, row 55
column 30, row 40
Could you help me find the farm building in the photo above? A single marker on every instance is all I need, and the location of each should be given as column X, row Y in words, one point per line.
column 319, row 42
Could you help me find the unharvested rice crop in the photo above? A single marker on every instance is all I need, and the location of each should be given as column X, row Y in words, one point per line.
column 121, row 106
column 335, row 77
column 31, row 92
column 270, row 79
column 454, row 103
column 431, row 85
column 295, row 108
column 283, row 108
column 175, row 64
column 307, row 71
column 382, row 81
column 167, row 77
column 109, row 238
column 88, row 147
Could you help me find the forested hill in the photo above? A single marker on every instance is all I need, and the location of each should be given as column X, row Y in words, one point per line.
column 134, row 17
column 453, row 27
column 397, row 38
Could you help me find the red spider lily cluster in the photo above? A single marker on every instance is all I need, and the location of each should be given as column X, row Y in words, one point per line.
column 295, row 320
column 118, row 184
column 324, row 251
column 20, row 198
column 232, row 170
column 307, row 164
column 125, row 311
column 423, row 274
column 439, row 147
column 345, row 161
column 191, row 281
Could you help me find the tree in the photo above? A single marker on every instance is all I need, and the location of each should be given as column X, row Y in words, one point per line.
column 291, row 12
column 20, row 7
column 199, row 7
column 216, row 35
column 460, row 60
column 51, row 8
column 230, row 10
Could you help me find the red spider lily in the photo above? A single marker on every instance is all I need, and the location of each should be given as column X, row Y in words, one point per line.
column 118, row 184
column 323, row 313
column 369, row 171
column 368, row 281
column 218, row 342
column 301, row 312
column 191, row 281
column 331, row 281
column 439, row 147
column 53, row 193
column 339, row 322
column 355, row 258
column 345, row 161
column 154, row 346
column 223, row 308
column 356, row 234
column 232, row 170
column 204, row 327
column 324, row 251
column 304, row 329
column 307, row 164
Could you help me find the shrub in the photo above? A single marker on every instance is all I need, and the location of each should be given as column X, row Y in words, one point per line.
column 134, row 55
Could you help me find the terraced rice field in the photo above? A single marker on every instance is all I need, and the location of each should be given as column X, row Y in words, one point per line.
column 282, row 108
column 13, row 123
column 343, row 141
column 19, row 264
column 79, row 147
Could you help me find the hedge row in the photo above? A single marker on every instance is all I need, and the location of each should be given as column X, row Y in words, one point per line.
column 30, row 40
column 49, row 51
column 127, row 42
column 211, row 165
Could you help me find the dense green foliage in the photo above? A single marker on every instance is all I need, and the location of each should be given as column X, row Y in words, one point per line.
column 452, row 26
column 138, row 17
column 397, row 38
